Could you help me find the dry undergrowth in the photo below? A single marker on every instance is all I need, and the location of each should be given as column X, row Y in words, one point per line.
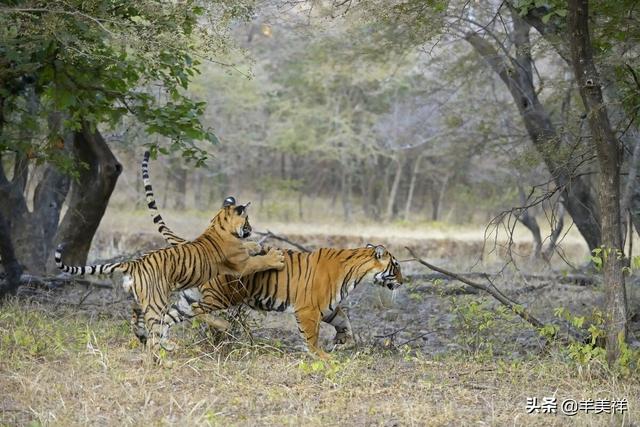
column 63, row 367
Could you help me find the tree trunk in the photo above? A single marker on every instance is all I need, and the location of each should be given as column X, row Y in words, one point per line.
column 553, row 31
column 89, row 195
column 557, row 213
column 631, row 196
column 180, row 179
column 32, row 232
column 442, row 189
column 391, row 201
column 517, row 75
column 531, row 223
column 412, row 186
column 346, row 194
column 608, row 152
column 435, row 205
column 12, row 268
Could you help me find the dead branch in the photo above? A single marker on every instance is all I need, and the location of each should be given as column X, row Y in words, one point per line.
column 51, row 282
column 491, row 290
column 567, row 279
column 269, row 235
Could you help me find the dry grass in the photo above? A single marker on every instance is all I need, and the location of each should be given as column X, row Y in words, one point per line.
column 73, row 361
column 65, row 367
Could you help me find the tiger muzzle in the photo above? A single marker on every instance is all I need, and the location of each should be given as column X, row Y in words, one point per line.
column 246, row 230
column 392, row 284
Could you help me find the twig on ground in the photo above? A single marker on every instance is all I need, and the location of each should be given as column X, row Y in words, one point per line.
column 417, row 337
column 84, row 297
column 391, row 333
column 56, row 281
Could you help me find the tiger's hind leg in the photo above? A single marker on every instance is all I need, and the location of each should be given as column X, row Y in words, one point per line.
column 309, row 327
column 340, row 321
column 154, row 309
column 138, row 325
column 197, row 302
column 212, row 300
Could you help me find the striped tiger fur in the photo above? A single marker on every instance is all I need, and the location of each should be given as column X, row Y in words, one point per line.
column 311, row 285
column 220, row 249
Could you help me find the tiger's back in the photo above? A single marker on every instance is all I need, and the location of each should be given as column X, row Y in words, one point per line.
column 311, row 285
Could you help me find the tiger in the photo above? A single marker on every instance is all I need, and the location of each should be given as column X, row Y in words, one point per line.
column 311, row 285
column 151, row 278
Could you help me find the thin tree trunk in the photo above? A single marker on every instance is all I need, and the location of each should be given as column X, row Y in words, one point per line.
column 435, row 204
column 531, row 223
column 608, row 151
column 412, row 186
column 442, row 189
column 89, row 195
column 558, row 214
column 391, row 201
column 180, row 180
column 346, row 194
column 12, row 268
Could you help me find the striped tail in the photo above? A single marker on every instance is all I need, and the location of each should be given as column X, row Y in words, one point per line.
column 166, row 232
column 87, row 269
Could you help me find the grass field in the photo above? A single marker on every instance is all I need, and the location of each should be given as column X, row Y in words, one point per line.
column 424, row 356
column 64, row 367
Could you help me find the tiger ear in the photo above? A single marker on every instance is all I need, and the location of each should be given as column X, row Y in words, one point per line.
column 380, row 251
column 229, row 201
column 369, row 246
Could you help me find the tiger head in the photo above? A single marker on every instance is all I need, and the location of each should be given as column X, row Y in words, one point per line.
column 234, row 218
column 386, row 270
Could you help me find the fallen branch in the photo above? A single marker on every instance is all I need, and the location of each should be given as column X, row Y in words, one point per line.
column 491, row 290
column 57, row 281
column 269, row 235
column 569, row 279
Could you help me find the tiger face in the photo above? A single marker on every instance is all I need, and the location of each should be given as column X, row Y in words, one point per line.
column 234, row 218
column 387, row 270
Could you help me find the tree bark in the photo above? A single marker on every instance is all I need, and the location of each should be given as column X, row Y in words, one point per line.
column 609, row 156
column 89, row 195
column 553, row 31
column 531, row 223
column 12, row 268
column 517, row 75
column 558, row 215
column 180, row 181
column 631, row 196
column 391, row 201
column 32, row 232
column 412, row 186
column 345, row 191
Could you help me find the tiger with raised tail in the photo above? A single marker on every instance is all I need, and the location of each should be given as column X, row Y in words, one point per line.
column 220, row 249
column 311, row 285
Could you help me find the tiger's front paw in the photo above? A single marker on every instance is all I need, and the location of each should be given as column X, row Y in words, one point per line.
column 253, row 248
column 275, row 258
column 343, row 339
